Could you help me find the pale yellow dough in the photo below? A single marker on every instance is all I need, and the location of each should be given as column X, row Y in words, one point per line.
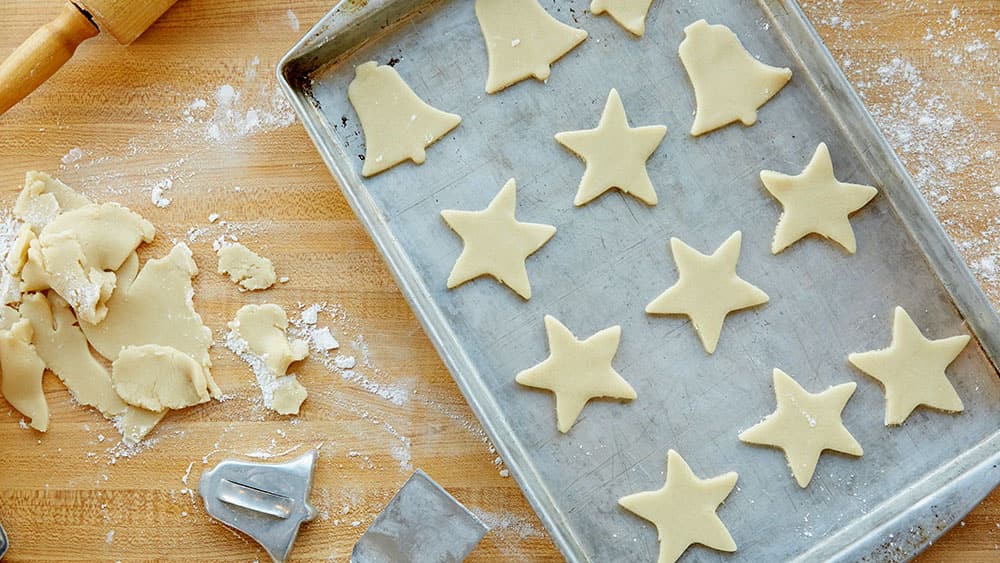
column 815, row 202
column 263, row 329
column 707, row 289
column 21, row 370
column 577, row 371
column 804, row 425
column 630, row 14
column 154, row 306
column 729, row 83
column 77, row 251
column 61, row 344
column 522, row 40
column 398, row 125
column 683, row 510
column 43, row 198
column 912, row 369
column 245, row 267
column 495, row 243
column 615, row 154
column 157, row 378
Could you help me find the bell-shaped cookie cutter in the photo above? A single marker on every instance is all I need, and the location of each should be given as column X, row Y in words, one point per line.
column 266, row 501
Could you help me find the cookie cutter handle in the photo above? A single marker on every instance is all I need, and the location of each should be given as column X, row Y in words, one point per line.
column 252, row 498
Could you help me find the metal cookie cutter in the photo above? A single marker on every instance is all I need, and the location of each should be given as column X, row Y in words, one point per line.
column 267, row 502
column 421, row 523
column 4, row 544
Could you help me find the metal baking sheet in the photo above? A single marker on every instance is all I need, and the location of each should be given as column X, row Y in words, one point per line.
column 609, row 258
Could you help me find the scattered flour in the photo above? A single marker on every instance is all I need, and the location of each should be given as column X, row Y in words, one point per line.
column 159, row 190
column 74, row 154
column 293, row 20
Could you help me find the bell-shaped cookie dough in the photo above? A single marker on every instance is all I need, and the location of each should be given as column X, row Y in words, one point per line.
column 258, row 335
column 522, row 40
column 630, row 14
column 398, row 125
column 21, row 370
column 154, row 306
column 729, row 83
column 157, row 378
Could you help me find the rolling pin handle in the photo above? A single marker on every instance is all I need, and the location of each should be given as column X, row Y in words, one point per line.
column 42, row 54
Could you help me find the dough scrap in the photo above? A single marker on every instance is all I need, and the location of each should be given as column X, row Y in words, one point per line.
column 522, row 40
column 495, row 243
column 912, row 369
column 804, row 425
column 262, row 328
column 22, row 371
column 630, row 14
column 157, row 378
column 577, row 371
column 398, row 125
column 729, row 83
column 154, row 306
column 8, row 316
column 683, row 510
column 245, row 267
column 76, row 252
column 815, row 202
column 63, row 347
column 137, row 423
column 615, row 154
column 707, row 289
column 43, row 198
column 17, row 255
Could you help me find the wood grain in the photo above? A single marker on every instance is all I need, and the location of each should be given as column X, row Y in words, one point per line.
column 63, row 494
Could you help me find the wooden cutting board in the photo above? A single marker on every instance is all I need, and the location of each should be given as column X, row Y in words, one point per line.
column 119, row 122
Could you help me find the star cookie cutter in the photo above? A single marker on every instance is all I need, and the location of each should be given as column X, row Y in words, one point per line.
column 266, row 501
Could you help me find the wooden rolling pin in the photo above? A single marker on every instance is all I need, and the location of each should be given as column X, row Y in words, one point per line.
column 47, row 49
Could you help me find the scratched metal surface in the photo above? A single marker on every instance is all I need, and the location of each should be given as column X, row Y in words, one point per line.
column 609, row 258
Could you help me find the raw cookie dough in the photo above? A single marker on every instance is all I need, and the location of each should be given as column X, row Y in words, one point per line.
column 61, row 344
column 804, row 425
column 577, row 371
column 912, row 369
column 815, row 202
column 729, row 83
column 261, row 328
column 495, row 243
column 136, row 423
column 76, row 252
column 21, row 371
column 245, row 267
column 157, row 378
column 683, row 511
column 630, row 14
column 153, row 306
column 522, row 40
column 43, row 198
column 398, row 125
column 708, row 289
column 615, row 154
column 17, row 255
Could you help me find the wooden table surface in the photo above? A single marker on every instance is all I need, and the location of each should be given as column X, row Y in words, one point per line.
column 119, row 121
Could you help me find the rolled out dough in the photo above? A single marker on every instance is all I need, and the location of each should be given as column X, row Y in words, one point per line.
column 43, row 198
column 522, row 40
column 729, row 83
column 263, row 330
column 245, row 267
column 157, row 378
column 61, row 344
column 21, row 371
column 154, row 306
column 398, row 125
column 630, row 14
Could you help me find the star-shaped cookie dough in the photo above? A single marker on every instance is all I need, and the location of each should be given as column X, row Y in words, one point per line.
column 496, row 243
column 708, row 289
column 683, row 511
column 615, row 154
column 815, row 202
column 912, row 369
column 630, row 14
column 577, row 371
column 804, row 425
